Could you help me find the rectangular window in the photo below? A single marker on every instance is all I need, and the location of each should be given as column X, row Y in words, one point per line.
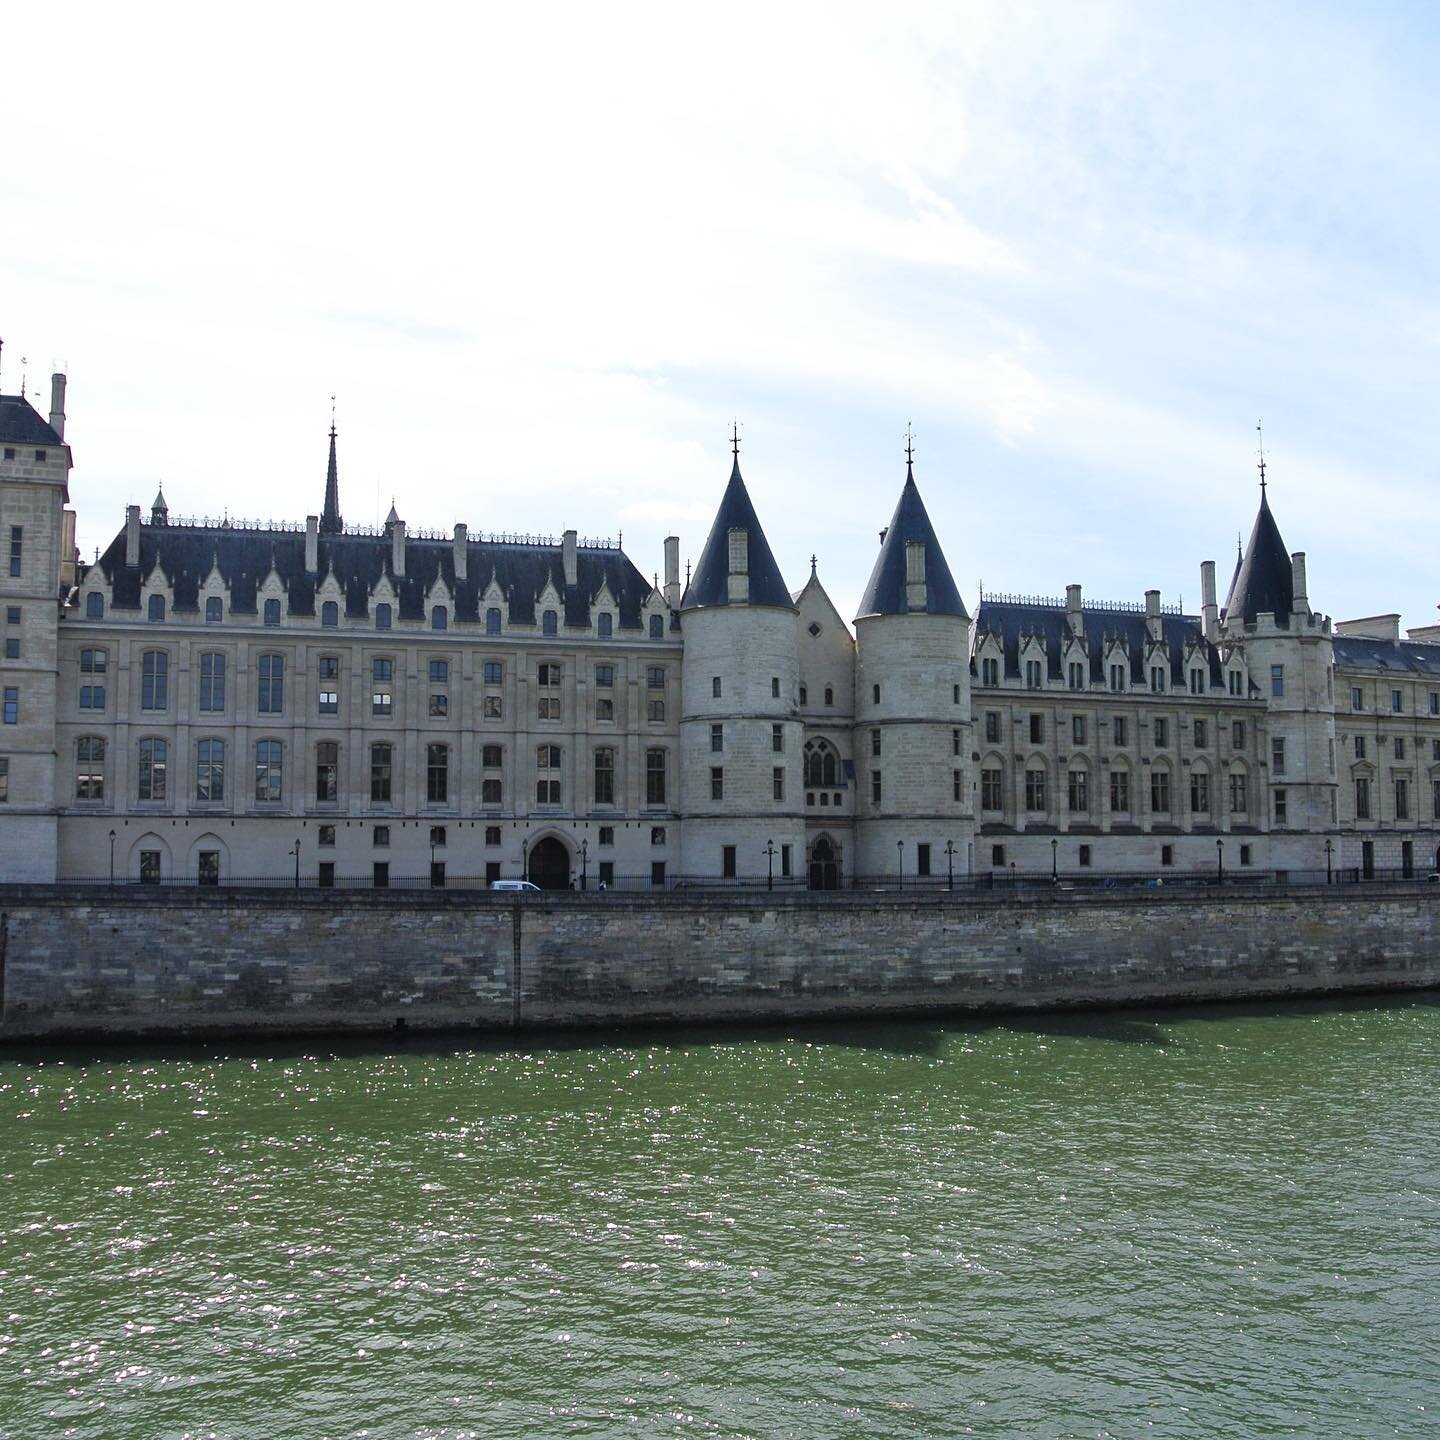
column 437, row 774
column 954, row 742
column 1199, row 793
column 1202, row 735
column 547, row 783
column 380, row 875
column 1157, row 679
column 1084, row 857
column 212, row 683
column 1402, row 798
column 874, row 742
column 1079, row 788
column 12, row 647
column 607, row 835
column 1120, row 792
column 727, row 861
column 1357, row 698
column 12, row 705
column 90, row 768
column 154, row 755
column 382, row 760
column 1435, row 702
column 1434, row 800
column 1162, row 732
column 329, row 701
column 1197, row 682
column 92, row 691
column 17, row 544
column 382, row 674
column 548, row 674
column 875, row 788
column 777, row 782
column 604, row 708
column 997, row 855
column 149, row 867
column 1120, row 731
column 1399, row 747
column 1077, row 729
column 549, row 708
column 1035, row 790
column 990, row 672
column 1236, row 682
column 607, row 874
column 492, row 672
column 1160, row 792
column 1167, row 854
column 1032, row 674
column 1037, row 729
column 654, row 777
column 1277, row 681
column 657, row 874
column 1077, row 675
column 1281, row 808
column 1239, row 794
column 922, row 859
column 777, row 739
column 491, row 791
column 1117, row 677
column 1277, row 754
column 1397, row 701
column 439, row 706
column 605, row 776
column 492, row 756
column 272, row 684
column 210, row 770
column 325, row 875
column 154, row 680
column 992, row 727
column 439, row 672
column 1237, row 734
column 492, row 834
column 717, row 738
column 492, row 708
column 717, row 782
column 992, row 789
column 326, row 838
column 774, row 687
column 714, row 687
column 657, row 834
column 269, row 787
column 605, row 676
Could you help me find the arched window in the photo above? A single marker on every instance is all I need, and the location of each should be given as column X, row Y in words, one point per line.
column 90, row 768
column 549, row 623
column 269, row 774
column 330, row 614
column 437, row 774
column 657, row 627
column 156, row 610
column 822, row 765
column 439, row 618
column 153, row 756
column 210, row 770
column 214, row 610
column 382, row 617
column 492, row 620
column 603, row 625
column 272, row 612
column 94, row 606
column 829, row 694
column 327, row 771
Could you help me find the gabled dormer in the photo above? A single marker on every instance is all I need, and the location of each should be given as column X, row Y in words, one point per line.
column 549, row 608
column 604, row 611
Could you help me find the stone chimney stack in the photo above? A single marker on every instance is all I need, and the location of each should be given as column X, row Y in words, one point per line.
column 1297, row 571
column 672, row 571
column 397, row 547
column 570, row 558
column 57, row 404
column 312, row 544
column 132, row 536
column 1152, row 616
column 1074, row 610
column 462, row 551
column 1209, row 610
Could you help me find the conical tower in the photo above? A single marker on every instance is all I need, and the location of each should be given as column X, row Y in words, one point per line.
column 740, row 736
column 912, row 704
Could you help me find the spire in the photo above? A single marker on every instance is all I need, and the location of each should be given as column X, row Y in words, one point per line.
column 331, row 521
column 910, row 451
column 889, row 589
column 710, row 583
column 159, row 510
column 1264, row 580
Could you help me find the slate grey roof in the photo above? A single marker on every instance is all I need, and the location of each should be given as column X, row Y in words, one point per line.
column 885, row 593
column 22, row 424
column 185, row 554
column 709, row 581
column 1393, row 657
column 1265, row 582
column 1013, row 620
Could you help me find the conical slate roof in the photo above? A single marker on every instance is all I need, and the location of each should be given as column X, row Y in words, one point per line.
column 709, row 582
column 885, row 594
column 1265, row 581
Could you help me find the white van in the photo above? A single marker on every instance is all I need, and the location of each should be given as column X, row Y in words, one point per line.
column 514, row 885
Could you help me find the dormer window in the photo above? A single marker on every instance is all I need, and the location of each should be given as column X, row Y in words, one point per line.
column 657, row 627
column 214, row 610
column 272, row 612
column 549, row 623
column 94, row 606
column 156, row 608
column 990, row 671
column 330, row 614
column 439, row 618
column 603, row 625
column 492, row 620
column 382, row 617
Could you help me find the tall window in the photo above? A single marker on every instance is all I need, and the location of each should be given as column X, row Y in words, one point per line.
column 437, row 773
column 1032, row 674
column 269, row 777
column 990, row 671
column 1157, row 679
column 1077, row 730
column 547, row 779
column 212, row 682
column 992, row 789
column 1199, row 793
column 382, row 674
column 1402, row 798
column 154, row 680
column 155, row 608
column 1079, row 796
column 1277, row 754
column 90, row 768
column 154, row 754
column 439, row 618
column 657, row 627
column 1037, row 729
column 210, row 770
column 605, row 776
column 1117, row 677
column 1277, row 681
column 547, row 677
column 604, row 625
column 1077, row 675
column 330, row 614
column 1160, row 792
column 1034, row 790
column 272, row 684
column 1202, row 735
column 1362, row 798
column 549, row 623
column 992, row 727
column 1239, row 794
column 4, row 779
column 654, row 777
column 382, row 616
column 17, row 549
column 214, row 610
column 717, row 782
column 12, row 705
column 1120, row 792
column 382, row 758
column 94, row 606
column 822, row 766
column 492, row 672
column 1120, row 730
column 272, row 612
column 777, row 782
column 327, row 771
column 1162, row 732
column 1237, row 734
column 492, row 620
column 717, row 738
column 92, row 679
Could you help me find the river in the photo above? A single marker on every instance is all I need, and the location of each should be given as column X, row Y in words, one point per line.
column 1217, row 1221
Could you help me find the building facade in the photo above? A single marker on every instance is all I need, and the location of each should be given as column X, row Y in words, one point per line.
column 216, row 701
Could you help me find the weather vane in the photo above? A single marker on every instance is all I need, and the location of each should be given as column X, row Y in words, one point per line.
column 909, row 443
column 1260, row 431
column 735, row 439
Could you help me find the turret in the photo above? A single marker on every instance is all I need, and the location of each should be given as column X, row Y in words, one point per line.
column 912, row 701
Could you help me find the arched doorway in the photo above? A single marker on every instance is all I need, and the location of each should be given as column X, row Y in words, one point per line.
column 549, row 865
column 824, row 867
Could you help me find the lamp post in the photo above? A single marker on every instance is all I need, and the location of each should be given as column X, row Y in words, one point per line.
column 112, row 857
column 584, row 863
column 524, row 867
column 1329, row 847
column 432, row 857
column 297, row 862
column 900, row 863
column 769, row 864
column 1054, row 859
column 1012, row 874
column 949, row 864
column 1220, row 861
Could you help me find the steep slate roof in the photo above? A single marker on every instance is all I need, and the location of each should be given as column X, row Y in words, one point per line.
column 185, row 554
column 1394, row 657
column 22, row 424
column 885, row 594
column 1013, row 620
column 1265, row 582
column 710, row 580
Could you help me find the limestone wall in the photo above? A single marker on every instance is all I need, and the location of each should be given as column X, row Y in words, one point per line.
column 129, row 962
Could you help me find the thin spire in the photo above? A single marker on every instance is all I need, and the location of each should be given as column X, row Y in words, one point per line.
column 331, row 521
column 812, row 568
column 735, row 439
column 909, row 450
column 1260, row 431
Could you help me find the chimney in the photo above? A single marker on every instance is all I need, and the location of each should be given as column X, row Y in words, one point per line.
column 672, row 571
column 1209, row 611
column 462, row 551
column 68, row 553
column 397, row 547
column 312, row 544
column 132, row 536
column 570, row 559
column 1297, row 571
column 1152, row 615
column 57, row 404
column 1074, row 611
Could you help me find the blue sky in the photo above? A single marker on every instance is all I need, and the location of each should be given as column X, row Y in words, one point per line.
column 543, row 259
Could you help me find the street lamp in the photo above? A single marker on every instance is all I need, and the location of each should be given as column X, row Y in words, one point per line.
column 949, row 864
column 769, row 864
column 112, row 857
column 1054, row 861
column 900, row 863
column 584, row 863
column 1220, row 861
column 524, row 867
column 297, row 862
column 432, row 857
column 1328, row 871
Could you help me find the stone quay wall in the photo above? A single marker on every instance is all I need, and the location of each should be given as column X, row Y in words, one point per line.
column 129, row 962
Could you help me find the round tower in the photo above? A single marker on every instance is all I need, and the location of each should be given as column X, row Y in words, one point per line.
column 913, row 743
column 741, row 766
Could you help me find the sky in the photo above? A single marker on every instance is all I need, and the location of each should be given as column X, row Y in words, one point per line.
column 543, row 256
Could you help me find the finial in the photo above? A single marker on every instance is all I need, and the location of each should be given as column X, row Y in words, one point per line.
column 735, row 439
column 332, row 417
column 687, row 577
column 1239, row 553
column 23, row 376
column 812, row 567
column 1260, row 431
column 909, row 444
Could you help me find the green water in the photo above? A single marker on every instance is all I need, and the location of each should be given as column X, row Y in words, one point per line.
column 1217, row 1222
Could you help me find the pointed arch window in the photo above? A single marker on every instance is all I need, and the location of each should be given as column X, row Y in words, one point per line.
column 822, row 765
column 94, row 606
column 214, row 610
column 549, row 623
column 604, row 626
column 492, row 620
column 657, row 627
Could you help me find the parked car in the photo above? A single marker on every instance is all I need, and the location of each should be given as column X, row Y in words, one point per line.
column 513, row 885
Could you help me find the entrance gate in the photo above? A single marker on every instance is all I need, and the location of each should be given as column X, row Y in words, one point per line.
column 824, row 867
column 549, row 865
